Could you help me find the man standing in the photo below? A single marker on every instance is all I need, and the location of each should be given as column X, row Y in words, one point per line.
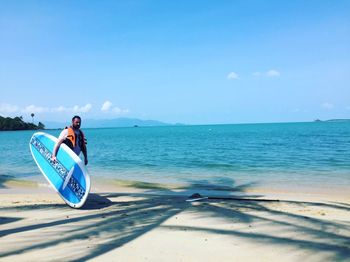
column 74, row 138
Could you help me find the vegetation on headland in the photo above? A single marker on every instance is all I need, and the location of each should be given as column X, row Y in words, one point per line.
column 17, row 123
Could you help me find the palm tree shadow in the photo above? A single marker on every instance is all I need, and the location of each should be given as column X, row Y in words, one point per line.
column 122, row 220
column 318, row 235
column 118, row 220
column 7, row 220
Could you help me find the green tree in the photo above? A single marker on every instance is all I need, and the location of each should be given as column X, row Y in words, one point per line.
column 32, row 115
column 41, row 125
column 17, row 123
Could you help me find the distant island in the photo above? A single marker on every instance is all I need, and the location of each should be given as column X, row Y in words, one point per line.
column 338, row 120
column 333, row 120
column 17, row 123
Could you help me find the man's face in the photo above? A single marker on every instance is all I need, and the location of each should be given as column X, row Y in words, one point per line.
column 76, row 123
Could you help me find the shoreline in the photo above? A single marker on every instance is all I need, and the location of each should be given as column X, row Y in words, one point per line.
column 138, row 221
column 38, row 184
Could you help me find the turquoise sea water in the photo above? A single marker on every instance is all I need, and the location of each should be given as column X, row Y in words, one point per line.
column 304, row 154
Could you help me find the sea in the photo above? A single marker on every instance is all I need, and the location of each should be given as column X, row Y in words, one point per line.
column 308, row 155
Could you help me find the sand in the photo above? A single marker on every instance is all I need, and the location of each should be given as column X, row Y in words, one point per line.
column 126, row 222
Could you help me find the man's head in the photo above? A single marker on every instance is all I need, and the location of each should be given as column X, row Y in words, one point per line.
column 76, row 122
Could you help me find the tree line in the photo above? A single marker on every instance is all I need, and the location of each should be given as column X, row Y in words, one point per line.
column 17, row 123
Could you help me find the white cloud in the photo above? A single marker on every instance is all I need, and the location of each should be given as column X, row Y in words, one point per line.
column 35, row 109
column 232, row 76
column 269, row 73
column 82, row 109
column 327, row 105
column 272, row 73
column 8, row 108
column 257, row 74
column 106, row 106
column 60, row 109
column 119, row 111
column 74, row 109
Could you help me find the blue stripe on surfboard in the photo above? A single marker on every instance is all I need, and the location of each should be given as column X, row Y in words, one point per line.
column 65, row 158
column 55, row 178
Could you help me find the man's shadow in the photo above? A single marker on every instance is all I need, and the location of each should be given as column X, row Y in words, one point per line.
column 96, row 201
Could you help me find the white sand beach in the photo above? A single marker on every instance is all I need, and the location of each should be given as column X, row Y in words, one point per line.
column 124, row 223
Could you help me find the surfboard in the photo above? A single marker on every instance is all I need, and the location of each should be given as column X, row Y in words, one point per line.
column 68, row 175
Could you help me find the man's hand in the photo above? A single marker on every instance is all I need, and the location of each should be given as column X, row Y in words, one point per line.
column 86, row 161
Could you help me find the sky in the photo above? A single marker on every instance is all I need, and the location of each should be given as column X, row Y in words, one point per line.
column 192, row 62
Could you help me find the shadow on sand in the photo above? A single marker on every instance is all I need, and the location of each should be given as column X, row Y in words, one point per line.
column 113, row 220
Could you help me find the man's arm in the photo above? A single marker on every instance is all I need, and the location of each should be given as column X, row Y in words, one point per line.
column 84, row 150
column 57, row 146
column 61, row 138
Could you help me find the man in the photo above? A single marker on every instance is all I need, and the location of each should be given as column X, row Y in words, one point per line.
column 74, row 138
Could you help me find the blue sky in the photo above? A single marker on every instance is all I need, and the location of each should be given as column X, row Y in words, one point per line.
column 194, row 62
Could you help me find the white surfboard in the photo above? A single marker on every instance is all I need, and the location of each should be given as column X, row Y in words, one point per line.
column 68, row 175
